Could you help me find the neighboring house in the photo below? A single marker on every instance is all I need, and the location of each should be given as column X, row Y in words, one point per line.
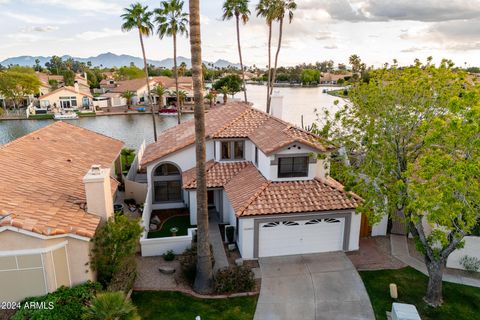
column 67, row 98
column 53, row 200
column 263, row 178
column 332, row 78
column 46, row 79
column 113, row 89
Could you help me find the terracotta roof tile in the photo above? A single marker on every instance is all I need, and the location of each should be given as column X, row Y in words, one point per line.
column 218, row 174
column 41, row 178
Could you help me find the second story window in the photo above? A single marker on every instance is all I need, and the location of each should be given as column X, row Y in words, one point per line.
column 289, row 167
column 233, row 150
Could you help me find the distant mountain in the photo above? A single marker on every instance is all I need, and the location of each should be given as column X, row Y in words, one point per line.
column 109, row 60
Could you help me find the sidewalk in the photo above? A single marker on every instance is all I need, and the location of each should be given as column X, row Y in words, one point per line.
column 221, row 260
column 400, row 251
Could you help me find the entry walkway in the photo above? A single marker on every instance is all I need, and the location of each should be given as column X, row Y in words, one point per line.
column 324, row 286
column 218, row 249
column 400, row 251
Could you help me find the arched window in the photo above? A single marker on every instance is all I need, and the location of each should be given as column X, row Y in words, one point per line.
column 167, row 183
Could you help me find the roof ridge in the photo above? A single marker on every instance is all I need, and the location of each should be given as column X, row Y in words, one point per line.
column 255, row 195
column 334, row 186
column 241, row 115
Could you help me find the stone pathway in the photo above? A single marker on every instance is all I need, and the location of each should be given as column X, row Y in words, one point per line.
column 221, row 260
column 400, row 251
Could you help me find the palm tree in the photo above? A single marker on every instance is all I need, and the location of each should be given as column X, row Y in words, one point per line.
column 160, row 91
column 204, row 276
column 182, row 96
column 281, row 9
column 266, row 9
column 182, row 69
column 138, row 16
column 172, row 21
column 239, row 10
column 224, row 90
column 111, row 306
column 128, row 95
column 211, row 97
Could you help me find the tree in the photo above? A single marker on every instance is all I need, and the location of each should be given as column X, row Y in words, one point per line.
column 16, row 84
column 160, row 91
column 182, row 95
column 210, row 96
column 233, row 82
column 114, row 245
column 281, row 8
column 111, row 306
column 411, row 152
column 204, row 275
column 138, row 16
column 183, row 69
column 172, row 21
column 55, row 65
column 68, row 77
column 224, row 90
column 37, row 66
column 129, row 73
column 239, row 10
column 310, row 76
column 266, row 9
column 128, row 96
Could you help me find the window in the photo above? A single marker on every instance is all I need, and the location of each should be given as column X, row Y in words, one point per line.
column 232, row 150
column 166, row 169
column 256, row 156
column 289, row 167
column 166, row 191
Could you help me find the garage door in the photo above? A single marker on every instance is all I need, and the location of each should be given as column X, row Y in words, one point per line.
column 279, row 238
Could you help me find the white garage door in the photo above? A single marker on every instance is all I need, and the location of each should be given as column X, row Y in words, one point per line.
column 296, row 237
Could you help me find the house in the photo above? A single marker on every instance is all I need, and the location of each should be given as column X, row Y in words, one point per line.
column 67, row 98
column 57, row 186
column 47, row 80
column 332, row 78
column 263, row 178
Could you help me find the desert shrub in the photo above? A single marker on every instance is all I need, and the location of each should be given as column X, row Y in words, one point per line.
column 66, row 303
column 169, row 255
column 234, row 279
column 471, row 264
column 111, row 305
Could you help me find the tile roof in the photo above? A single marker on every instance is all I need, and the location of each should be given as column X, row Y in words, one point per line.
column 67, row 88
column 130, row 85
column 234, row 120
column 250, row 194
column 41, row 178
column 183, row 135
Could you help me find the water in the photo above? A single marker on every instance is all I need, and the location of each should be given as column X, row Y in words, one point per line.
column 133, row 129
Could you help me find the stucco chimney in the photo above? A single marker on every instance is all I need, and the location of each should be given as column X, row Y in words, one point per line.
column 98, row 192
column 322, row 169
column 77, row 88
column 277, row 105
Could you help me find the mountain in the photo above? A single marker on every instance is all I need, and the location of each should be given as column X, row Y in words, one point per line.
column 109, row 60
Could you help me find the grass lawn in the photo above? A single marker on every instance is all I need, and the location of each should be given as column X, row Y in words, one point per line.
column 163, row 305
column 181, row 222
column 459, row 302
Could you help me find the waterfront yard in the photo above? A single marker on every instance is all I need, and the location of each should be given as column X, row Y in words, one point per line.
column 460, row 302
column 181, row 222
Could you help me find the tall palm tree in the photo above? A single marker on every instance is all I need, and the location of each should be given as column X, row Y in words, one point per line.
column 225, row 90
column 267, row 10
column 172, row 21
column 138, row 16
column 239, row 10
column 128, row 96
column 160, row 91
column 110, row 306
column 282, row 8
column 204, row 276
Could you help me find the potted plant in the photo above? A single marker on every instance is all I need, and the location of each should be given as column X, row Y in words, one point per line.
column 174, row 231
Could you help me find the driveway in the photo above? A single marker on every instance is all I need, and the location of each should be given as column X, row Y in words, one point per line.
column 312, row 287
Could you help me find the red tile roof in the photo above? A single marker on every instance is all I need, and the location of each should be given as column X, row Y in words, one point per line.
column 250, row 194
column 41, row 178
column 235, row 120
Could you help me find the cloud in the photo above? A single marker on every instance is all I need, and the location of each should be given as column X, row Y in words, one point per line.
column 330, row 47
column 323, row 35
column 104, row 33
column 46, row 28
column 411, row 49
column 25, row 17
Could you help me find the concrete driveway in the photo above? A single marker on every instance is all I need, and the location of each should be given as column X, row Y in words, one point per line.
column 312, row 287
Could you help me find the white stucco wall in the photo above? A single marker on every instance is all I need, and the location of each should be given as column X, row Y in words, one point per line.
column 192, row 195
column 355, row 231
column 471, row 249
column 245, row 237
column 380, row 228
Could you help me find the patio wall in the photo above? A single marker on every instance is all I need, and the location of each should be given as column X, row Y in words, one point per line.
column 135, row 190
column 159, row 246
column 471, row 249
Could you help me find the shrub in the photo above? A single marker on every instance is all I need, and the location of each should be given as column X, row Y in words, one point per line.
column 234, row 279
column 471, row 264
column 111, row 305
column 169, row 255
column 124, row 278
column 68, row 303
column 230, row 232
column 115, row 244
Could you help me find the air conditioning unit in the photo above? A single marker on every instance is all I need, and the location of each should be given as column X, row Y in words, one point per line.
column 403, row 311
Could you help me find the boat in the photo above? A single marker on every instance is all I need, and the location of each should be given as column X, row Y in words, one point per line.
column 65, row 116
column 168, row 112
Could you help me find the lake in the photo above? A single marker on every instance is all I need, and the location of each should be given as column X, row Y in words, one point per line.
column 133, row 129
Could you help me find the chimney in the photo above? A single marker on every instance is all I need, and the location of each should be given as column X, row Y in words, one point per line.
column 75, row 85
column 322, row 169
column 98, row 192
column 85, row 76
column 277, row 104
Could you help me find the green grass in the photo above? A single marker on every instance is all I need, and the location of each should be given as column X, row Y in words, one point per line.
column 162, row 305
column 459, row 302
column 181, row 222
column 40, row 116
column 86, row 114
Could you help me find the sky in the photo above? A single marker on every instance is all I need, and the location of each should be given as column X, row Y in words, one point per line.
column 376, row 30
